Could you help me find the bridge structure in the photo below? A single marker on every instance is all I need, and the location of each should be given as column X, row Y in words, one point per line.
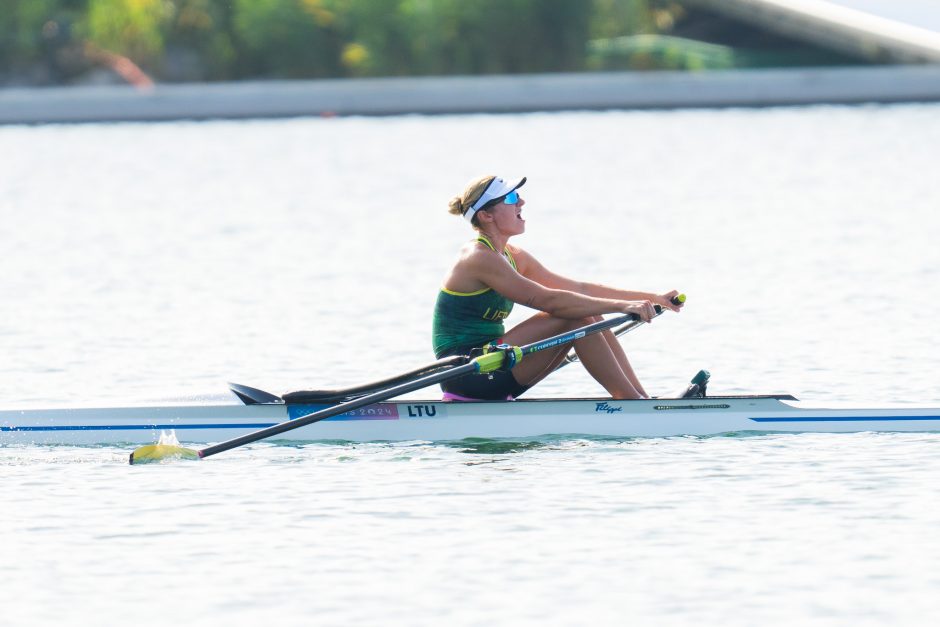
column 879, row 31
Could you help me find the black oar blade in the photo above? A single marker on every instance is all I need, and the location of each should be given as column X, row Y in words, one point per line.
column 154, row 453
column 253, row 396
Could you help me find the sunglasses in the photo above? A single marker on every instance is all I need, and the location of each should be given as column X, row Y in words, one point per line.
column 511, row 198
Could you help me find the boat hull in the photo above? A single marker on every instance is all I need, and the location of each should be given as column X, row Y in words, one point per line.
column 444, row 421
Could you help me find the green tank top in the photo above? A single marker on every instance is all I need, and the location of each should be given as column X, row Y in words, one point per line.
column 469, row 319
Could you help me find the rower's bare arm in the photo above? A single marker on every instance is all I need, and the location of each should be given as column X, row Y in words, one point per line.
column 664, row 300
column 491, row 270
column 532, row 269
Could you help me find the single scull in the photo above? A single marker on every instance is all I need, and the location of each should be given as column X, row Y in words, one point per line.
column 435, row 420
column 374, row 413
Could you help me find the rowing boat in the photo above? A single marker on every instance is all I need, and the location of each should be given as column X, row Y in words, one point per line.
column 371, row 413
column 436, row 420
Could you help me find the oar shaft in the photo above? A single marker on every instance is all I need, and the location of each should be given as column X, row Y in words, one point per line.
column 342, row 408
column 311, row 397
column 577, row 334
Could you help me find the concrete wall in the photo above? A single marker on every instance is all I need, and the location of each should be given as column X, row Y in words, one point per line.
column 488, row 94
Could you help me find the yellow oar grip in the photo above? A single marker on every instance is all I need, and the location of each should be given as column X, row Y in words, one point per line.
column 490, row 362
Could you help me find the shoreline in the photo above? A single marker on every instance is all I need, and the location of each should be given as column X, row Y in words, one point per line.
column 472, row 94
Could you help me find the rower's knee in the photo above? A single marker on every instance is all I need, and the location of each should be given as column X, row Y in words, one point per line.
column 583, row 322
column 577, row 323
column 570, row 324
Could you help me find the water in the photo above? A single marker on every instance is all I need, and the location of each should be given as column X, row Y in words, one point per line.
column 156, row 262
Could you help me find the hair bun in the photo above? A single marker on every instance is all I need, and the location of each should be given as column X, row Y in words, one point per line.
column 456, row 206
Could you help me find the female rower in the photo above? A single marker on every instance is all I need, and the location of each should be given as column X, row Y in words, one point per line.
column 491, row 275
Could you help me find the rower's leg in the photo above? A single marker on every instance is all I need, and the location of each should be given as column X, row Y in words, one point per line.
column 608, row 364
column 625, row 366
column 560, row 356
column 535, row 367
column 619, row 354
column 594, row 351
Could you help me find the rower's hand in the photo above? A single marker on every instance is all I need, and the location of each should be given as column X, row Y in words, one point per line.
column 666, row 301
column 643, row 308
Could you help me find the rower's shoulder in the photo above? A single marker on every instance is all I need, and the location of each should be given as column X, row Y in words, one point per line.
column 516, row 251
column 522, row 258
column 478, row 261
column 476, row 251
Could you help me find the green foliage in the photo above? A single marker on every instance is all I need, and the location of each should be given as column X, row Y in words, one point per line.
column 399, row 37
column 133, row 28
column 230, row 39
column 27, row 29
column 616, row 18
column 641, row 52
column 199, row 41
column 286, row 38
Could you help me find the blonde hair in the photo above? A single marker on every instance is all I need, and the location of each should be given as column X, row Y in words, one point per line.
column 459, row 205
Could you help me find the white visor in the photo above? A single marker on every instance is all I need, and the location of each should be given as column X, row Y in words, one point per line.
column 497, row 188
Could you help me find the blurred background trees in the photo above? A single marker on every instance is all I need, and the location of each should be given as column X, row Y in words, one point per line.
column 88, row 41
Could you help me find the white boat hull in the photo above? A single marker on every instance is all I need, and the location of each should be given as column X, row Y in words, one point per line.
column 443, row 421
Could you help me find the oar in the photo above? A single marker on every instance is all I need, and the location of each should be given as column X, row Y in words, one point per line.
column 311, row 397
column 487, row 362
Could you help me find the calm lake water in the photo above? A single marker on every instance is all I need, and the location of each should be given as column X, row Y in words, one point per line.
column 158, row 261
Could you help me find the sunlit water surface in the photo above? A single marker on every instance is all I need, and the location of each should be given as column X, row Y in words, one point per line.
column 156, row 262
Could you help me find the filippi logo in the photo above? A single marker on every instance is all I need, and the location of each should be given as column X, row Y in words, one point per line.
column 607, row 407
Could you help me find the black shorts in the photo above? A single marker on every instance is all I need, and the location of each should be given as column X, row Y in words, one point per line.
column 491, row 386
